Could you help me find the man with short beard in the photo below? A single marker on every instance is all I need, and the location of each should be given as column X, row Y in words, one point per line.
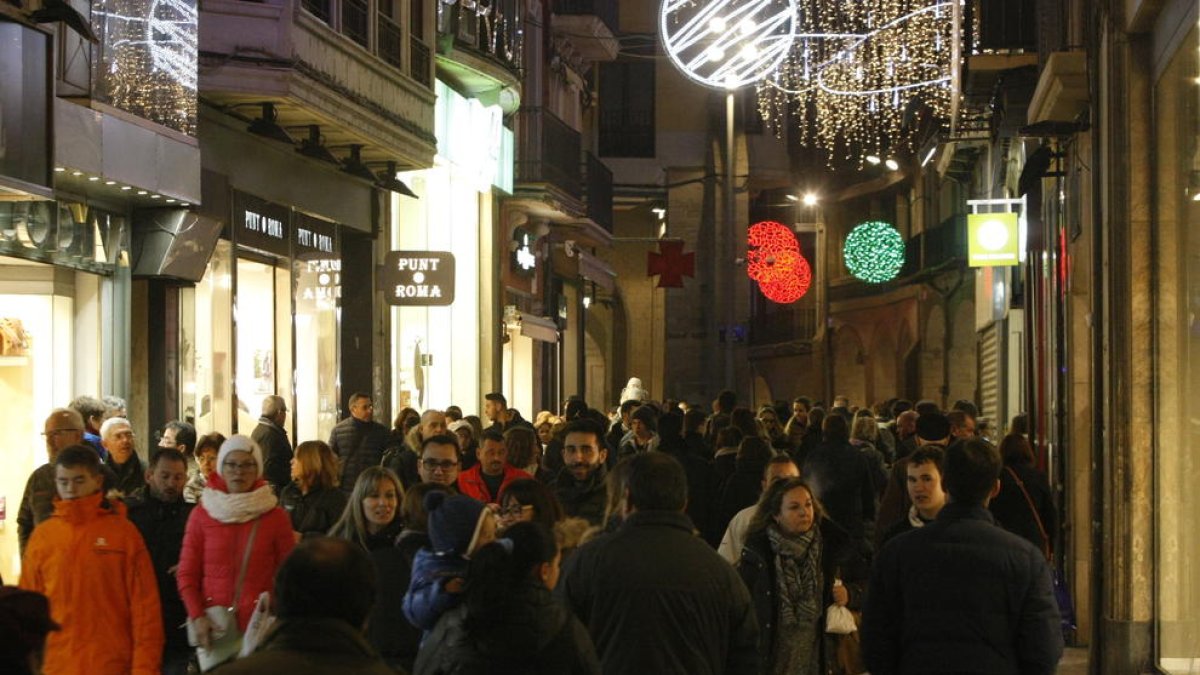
column 160, row 514
column 579, row 486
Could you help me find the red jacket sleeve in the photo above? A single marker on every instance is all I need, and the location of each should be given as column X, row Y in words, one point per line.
column 191, row 565
column 283, row 540
column 145, row 611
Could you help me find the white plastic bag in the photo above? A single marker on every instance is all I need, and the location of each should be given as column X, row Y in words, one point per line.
column 839, row 620
column 259, row 625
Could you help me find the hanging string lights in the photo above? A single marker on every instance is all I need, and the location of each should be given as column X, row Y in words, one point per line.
column 874, row 252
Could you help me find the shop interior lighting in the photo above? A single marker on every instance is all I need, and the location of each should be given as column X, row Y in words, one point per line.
column 874, row 160
column 110, row 182
column 125, row 188
column 77, row 173
column 314, row 148
column 267, row 126
column 59, row 169
column 93, row 179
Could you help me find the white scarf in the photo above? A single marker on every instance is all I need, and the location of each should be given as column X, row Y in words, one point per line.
column 238, row 508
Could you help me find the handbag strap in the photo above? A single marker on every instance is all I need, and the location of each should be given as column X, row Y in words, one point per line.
column 237, row 592
column 1037, row 518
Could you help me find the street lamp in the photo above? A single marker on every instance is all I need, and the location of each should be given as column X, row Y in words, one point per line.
column 727, row 44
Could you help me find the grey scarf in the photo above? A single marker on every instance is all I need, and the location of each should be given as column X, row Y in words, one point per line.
column 800, row 584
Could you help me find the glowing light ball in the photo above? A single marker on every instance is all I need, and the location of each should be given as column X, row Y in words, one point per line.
column 727, row 43
column 874, row 252
column 775, row 262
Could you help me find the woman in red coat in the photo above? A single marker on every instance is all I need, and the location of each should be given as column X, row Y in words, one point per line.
column 214, row 543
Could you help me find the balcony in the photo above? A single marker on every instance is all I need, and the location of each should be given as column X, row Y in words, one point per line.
column 1007, row 25
column 549, row 153
column 783, row 325
column 598, row 191
column 590, row 26
column 480, row 49
column 936, row 248
column 335, row 63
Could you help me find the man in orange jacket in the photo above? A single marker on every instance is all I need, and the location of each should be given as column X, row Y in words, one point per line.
column 92, row 564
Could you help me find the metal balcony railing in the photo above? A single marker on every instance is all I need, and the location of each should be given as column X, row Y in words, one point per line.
column 419, row 66
column 783, row 324
column 549, row 151
column 937, row 246
column 356, row 21
column 605, row 10
column 599, row 191
column 1008, row 25
column 391, row 41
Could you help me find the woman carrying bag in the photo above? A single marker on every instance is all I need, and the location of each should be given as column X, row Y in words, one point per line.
column 796, row 564
column 234, row 543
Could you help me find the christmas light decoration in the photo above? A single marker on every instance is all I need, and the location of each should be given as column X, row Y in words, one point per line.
column 774, row 260
column 857, row 69
column 148, row 54
column 874, row 252
column 728, row 43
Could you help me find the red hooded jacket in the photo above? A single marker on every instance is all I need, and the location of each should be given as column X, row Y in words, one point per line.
column 471, row 483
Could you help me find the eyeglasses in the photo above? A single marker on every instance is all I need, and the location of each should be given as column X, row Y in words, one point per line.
column 435, row 464
column 515, row 510
column 239, row 466
column 55, row 432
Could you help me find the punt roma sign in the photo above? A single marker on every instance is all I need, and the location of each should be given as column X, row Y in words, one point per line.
column 419, row 278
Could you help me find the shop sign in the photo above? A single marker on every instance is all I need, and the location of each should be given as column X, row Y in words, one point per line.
column 314, row 237
column 70, row 234
column 524, row 259
column 419, row 278
column 261, row 224
column 993, row 239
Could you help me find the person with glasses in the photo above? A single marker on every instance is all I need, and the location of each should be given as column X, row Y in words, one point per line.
column 358, row 440
column 64, row 428
column 238, row 509
column 527, row 500
column 439, row 461
column 118, row 438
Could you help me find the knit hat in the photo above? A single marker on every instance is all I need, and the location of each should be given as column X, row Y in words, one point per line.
column 454, row 522
column 933, row 427
column 239, row 442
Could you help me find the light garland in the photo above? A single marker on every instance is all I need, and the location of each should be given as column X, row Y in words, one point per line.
column 857, row 68
column 774, row 260
column 728, row 43
column 874, row 252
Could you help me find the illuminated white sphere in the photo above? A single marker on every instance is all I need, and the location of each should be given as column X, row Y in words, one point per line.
column 728, row 43
column 992, row 235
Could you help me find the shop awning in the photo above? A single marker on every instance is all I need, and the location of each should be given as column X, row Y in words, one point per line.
column 597, row 271
column 539, row 328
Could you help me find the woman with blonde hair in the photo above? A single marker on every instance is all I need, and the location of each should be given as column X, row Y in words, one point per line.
column 313, row 500
column 371, row 518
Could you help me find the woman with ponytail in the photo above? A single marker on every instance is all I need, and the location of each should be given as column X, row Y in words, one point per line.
column 508, row 621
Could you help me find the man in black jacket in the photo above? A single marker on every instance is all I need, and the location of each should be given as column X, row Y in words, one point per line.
column 160, row 514
column 358, row 440
column 579, row 485
column 655, row 597
column 273, row 441
column 961, row 595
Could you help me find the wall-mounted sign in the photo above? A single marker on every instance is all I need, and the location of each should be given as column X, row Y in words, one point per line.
column 260, row 224
column 314, row 238
column 993, row 239
column 418, row 278
column 524, row 258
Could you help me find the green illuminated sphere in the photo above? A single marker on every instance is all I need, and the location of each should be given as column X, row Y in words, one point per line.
column 874, row 252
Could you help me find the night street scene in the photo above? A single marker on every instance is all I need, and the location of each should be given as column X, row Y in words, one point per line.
column 600, row 337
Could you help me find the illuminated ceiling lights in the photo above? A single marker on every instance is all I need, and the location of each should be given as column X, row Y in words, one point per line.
column 728, row 43
column 857, row 70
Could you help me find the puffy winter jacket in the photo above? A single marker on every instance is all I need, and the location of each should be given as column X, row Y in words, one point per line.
column 582, row 498
column 90, row 561
column 314, row 513
column 162, row 525
column 471, row 483
column 359, row 445
column 212, row 557
column 277, row 453
column 427, row 598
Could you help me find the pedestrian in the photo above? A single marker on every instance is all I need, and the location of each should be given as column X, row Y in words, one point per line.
column 508, row 621
column 503, row 418
column 63, row 429
column 961, row 595
column 116, row 434
column 643, row 432
column 312, row 498
column 1025, row 505
column 24, row 625
column 440, row 461
column 841, row 478
column 467, row 442
column 924, row 473
column 702, row 481
column 371, row 515
column 654, row 597
column 238, row 533
column 796, row 563
column 489, row 477
column 207, row 448
column 524, row 449
column 579, row 485
column 743, row 488
column 930, row 429
column 730, row 548
column 271, row 436
column 358, row 440
column 728, row 440
column 527, row 500
column 92, row 565
column 388, row 631
column 323, row 593
column 161, row 515
column 91, row 410
column 458, row 526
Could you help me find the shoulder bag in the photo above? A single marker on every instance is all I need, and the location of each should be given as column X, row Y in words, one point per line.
column 226, row 639
column 1062, row 595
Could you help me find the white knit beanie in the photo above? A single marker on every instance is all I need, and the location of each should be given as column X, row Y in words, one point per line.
column 239, row 442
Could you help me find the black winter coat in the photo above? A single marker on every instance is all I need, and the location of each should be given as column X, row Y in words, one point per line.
column 277, row 453
column 388, row 631
column 740, row 490
column 840, row 476
column 582, row 499
column 359, row 445
column 403, row 460
column 658, row 599
column 702, row 489
column 314, row 513
column 128, row 477
column 840, row 558
column 310, row 647
column 1012, row 511
column 162, row 525
column 961, row 595
column 534, row 636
